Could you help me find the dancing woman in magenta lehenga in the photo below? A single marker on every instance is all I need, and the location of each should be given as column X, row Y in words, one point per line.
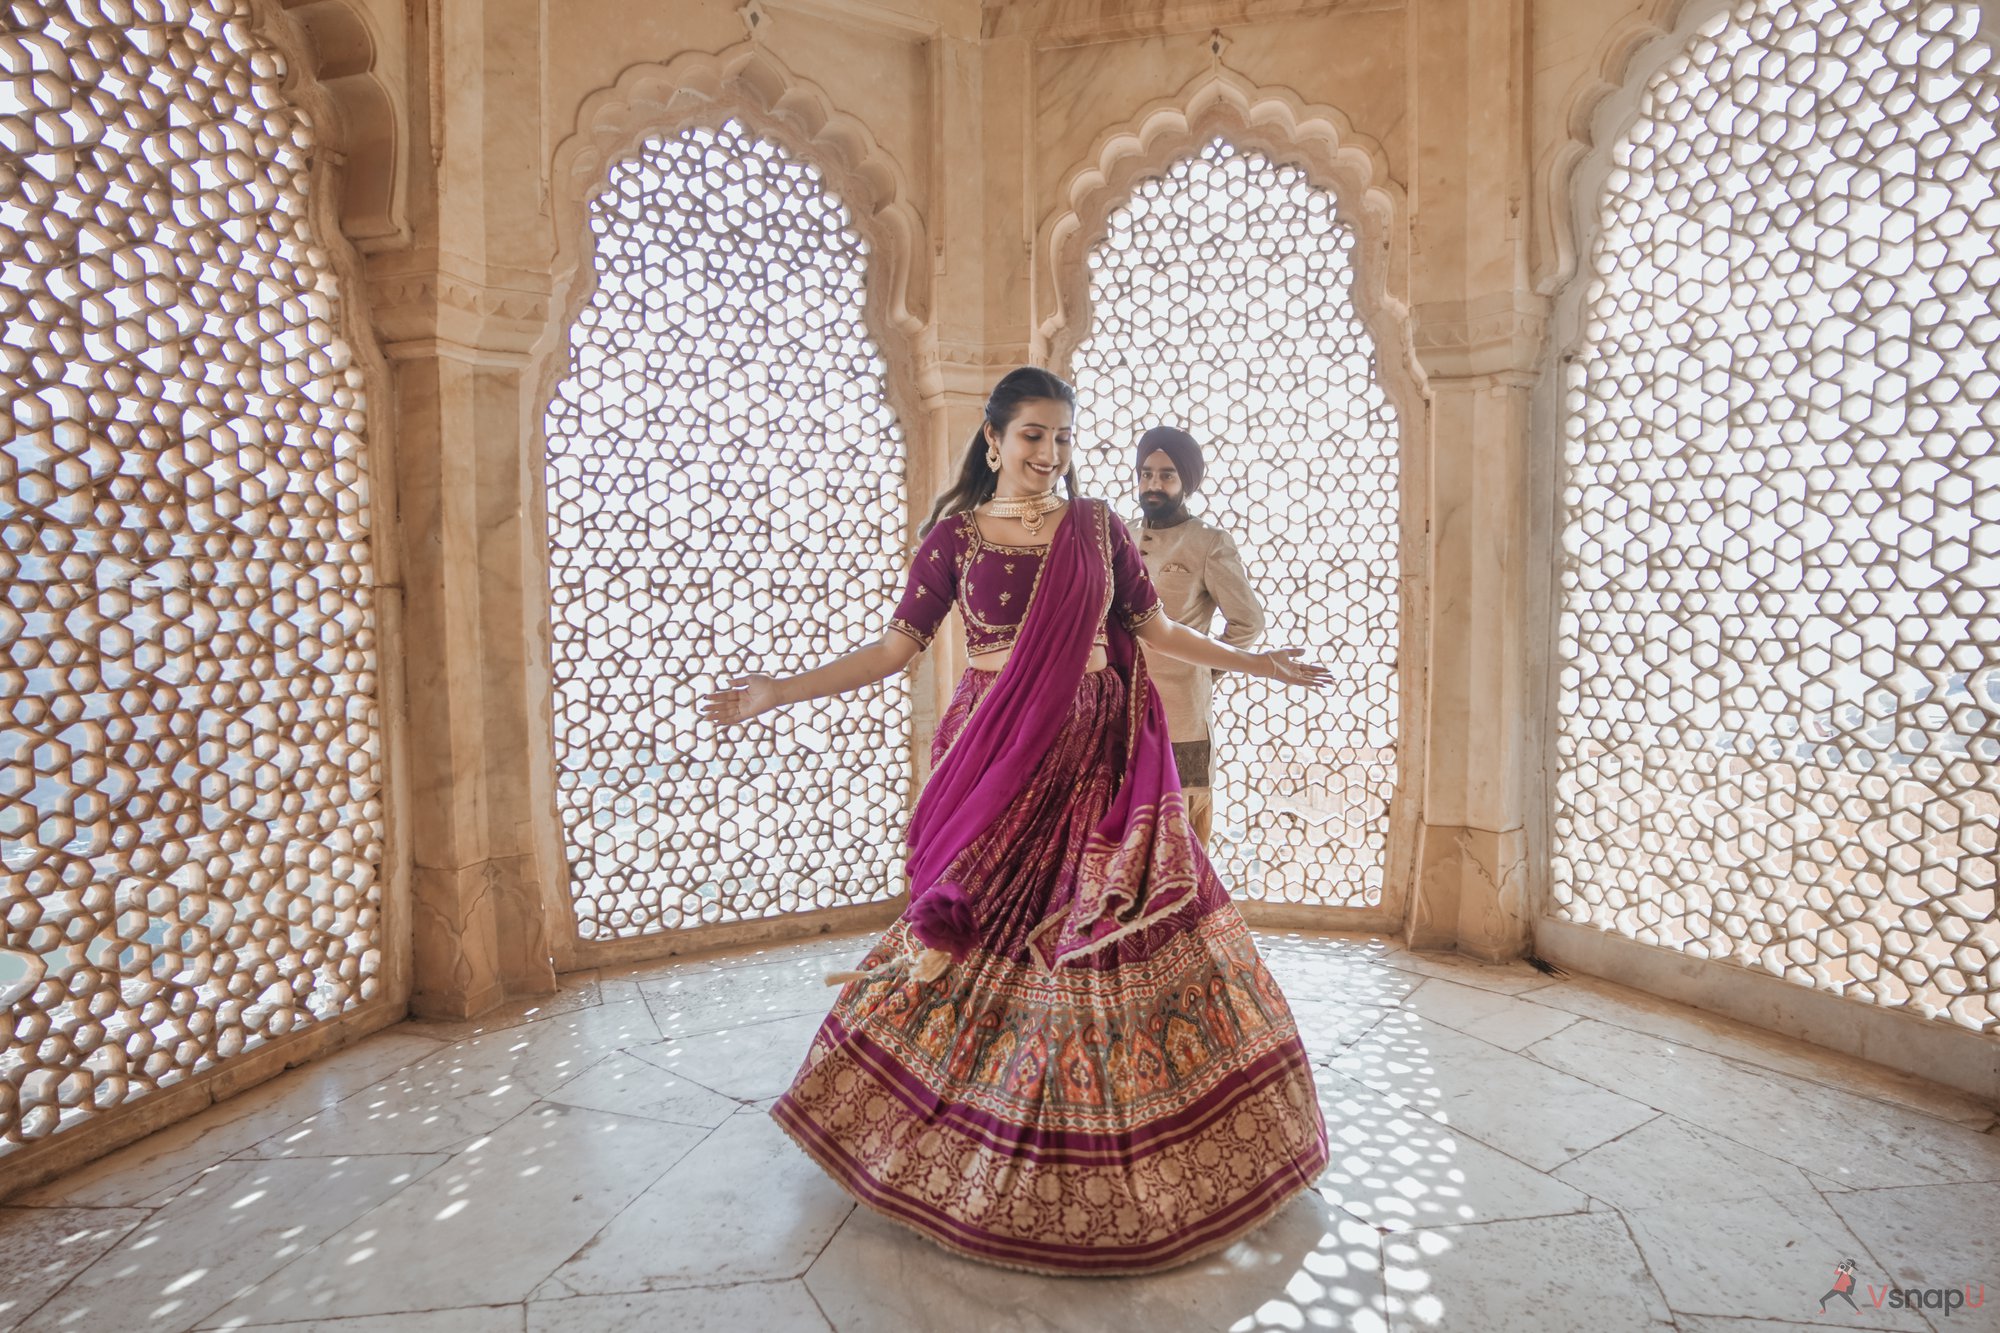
column 1067, row 1056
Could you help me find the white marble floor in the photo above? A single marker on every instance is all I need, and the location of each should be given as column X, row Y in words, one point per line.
column 1511, row 1153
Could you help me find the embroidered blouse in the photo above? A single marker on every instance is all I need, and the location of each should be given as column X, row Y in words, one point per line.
column 992, row 585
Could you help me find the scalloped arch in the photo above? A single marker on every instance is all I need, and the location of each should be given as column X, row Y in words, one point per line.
column 1322, row 142
column 1274, row 121
column 1558, row 228
column 334, row 73
column 748, row 83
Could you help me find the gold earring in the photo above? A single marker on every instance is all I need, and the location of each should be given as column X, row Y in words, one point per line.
column 992, row 459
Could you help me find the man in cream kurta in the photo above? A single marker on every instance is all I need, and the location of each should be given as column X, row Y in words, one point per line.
column 1198, row 572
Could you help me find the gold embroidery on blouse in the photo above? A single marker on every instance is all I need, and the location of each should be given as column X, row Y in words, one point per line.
column 999, row 636
column 902, row 626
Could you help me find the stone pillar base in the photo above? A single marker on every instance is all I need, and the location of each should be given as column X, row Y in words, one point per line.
column 1471, row 892
column 479, row 936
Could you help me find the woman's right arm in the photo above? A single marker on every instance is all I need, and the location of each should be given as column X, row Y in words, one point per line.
column 757, row 693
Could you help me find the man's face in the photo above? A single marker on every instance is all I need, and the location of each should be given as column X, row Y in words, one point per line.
column 1160, row 494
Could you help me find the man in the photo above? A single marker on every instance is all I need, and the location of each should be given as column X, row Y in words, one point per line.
column 1198, row 572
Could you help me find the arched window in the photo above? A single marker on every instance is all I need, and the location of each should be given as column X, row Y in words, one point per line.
column 192, row 824
column 725, row 495
column 1221, row 300
column 1777, row 734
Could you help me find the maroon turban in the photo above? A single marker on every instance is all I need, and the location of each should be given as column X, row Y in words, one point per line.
column 1179, row 446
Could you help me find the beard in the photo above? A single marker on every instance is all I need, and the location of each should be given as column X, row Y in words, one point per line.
column 1161, row 509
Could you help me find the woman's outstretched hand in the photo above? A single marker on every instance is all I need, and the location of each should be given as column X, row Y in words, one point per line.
column 1283, row 665
column 746, row 697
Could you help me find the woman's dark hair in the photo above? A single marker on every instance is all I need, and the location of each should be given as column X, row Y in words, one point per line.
column 976, row 481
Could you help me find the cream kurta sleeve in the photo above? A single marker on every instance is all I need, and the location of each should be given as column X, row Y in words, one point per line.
column 1229, row 586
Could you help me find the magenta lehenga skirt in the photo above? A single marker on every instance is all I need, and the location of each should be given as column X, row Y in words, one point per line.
column 1119, row 1117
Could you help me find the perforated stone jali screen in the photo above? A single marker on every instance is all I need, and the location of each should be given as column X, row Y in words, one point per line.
column 725, row 495
column 1222, row 301
column 1777, row 734
column 190, row 809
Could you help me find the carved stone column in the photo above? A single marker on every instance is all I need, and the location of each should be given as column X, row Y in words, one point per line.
column 951, row 375
column 456, row 326
column 479, row 933
column 1480, row 333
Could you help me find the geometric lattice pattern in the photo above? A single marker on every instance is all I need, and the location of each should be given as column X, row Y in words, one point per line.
column 190, row 817
column 725, row 495
column 1222, row 301
column 1781, row 588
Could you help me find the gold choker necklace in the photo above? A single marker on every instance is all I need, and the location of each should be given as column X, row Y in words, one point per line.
column 1030, row 509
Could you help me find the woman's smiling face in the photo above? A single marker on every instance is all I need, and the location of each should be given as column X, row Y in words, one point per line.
column 1035, row 450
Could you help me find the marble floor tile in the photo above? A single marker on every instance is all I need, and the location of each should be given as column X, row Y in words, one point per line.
column 647, row 968
column 1665, row 1160
column 1310, row 1267
column 559, row 1048
column 43, row 1248
column 468, row 1089
column 766, row 1307
column 1620, row 1006
column 1395, row 1168
column 178, row 1152
column 621, row 981
column 1313, row 944
column 744, row 1206
column 1767, row 1258
column 222, row 1233
column 1699, row 1323
column 1328, row 1027
column 490, row 1224
column 1340, row 978
column 1576, row 1274
column 577, row 992
column 624, row 1084
column 1852, row 1140
column 748, row 1063
column 435, row 1105
column 851, row 945
column 617, row 990
column 1931, row 1236
column 1505, row 1021
column 696, row 1002
column 844, row 949
column 1502, row 978
column 1506, row 1100
column 475, row 1319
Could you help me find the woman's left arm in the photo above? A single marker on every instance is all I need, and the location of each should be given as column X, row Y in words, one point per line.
column 1163, row 634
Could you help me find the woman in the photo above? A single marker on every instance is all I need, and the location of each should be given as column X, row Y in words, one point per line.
column 1067, row 1056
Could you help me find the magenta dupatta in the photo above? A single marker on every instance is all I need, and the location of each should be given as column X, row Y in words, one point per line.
column 1137, row 867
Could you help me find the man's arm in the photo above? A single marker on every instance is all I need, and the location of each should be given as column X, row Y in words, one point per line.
column 1229, row 585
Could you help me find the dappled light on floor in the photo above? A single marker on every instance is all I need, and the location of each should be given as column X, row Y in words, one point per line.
column 1509, row 1151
